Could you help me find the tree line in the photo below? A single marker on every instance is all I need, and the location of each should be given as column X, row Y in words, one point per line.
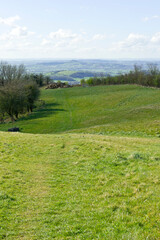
column 149, row 77
column 19, row 90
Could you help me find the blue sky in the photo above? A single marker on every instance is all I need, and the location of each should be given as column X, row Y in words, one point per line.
column 101, row 29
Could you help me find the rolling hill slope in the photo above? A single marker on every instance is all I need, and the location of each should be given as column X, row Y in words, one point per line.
column 86, row 166
column 123, row 110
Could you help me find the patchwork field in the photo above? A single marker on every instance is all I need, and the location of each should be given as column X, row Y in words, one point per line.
column 86, row 166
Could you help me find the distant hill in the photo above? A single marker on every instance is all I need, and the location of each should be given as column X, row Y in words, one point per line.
column 77, row 69
column 94, row 65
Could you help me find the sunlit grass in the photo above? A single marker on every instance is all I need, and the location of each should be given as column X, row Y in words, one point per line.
column 118, row 110
column 79, row 187
column 81, row 183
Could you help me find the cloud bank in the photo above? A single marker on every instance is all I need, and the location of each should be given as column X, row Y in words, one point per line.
column 17, row 40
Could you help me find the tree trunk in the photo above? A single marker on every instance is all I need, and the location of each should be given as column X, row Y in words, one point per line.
column 12, row 118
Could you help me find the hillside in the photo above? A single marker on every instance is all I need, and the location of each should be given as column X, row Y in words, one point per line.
column 77, row 186
column 118, row 110
column 85, row 166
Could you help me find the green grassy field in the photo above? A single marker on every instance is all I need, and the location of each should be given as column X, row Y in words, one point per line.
column 78, row 186
column 86, row 166
column 123, row 110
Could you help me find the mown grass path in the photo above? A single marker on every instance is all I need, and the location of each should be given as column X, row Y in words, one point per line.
column 77, row 186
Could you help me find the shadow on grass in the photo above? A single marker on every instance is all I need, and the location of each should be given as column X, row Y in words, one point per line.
column 47, row 110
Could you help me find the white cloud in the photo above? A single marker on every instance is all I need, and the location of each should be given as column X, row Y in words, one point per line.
column 69, row 39
column 156, row 38
column 62, row 34
column 131, row 42
column 45, row 42
column 146, row 19
column 20, row 32
column 16, row 39
column 16, row 32
column 136, row 39
column 9, row 21
column 137, row 42
column 65, row 42
column 63, row 38
column 99, row 37
column 137, row 45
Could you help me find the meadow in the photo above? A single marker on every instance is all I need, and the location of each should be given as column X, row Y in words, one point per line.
column 85, row 166
column 117, row 110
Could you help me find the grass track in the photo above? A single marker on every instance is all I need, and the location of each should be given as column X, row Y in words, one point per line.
column 79, row 186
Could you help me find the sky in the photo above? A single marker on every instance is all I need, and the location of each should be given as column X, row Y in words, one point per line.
column 79, row 29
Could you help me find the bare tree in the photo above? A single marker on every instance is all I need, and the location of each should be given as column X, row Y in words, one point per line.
column 10, row 72
column 153, row 69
